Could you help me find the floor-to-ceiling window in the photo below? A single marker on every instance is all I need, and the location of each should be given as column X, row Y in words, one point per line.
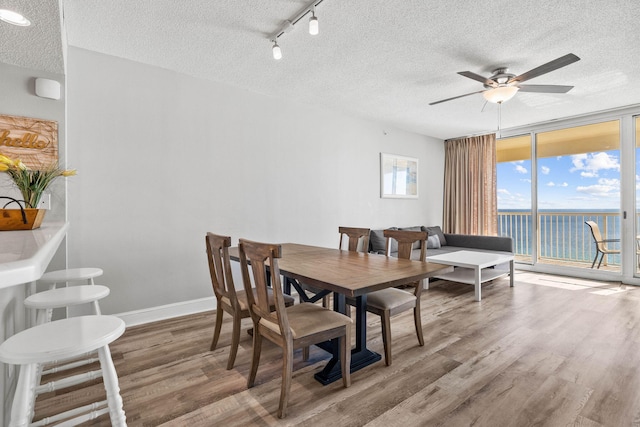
column 578, row 194
column 513, row 172
column 551, row 183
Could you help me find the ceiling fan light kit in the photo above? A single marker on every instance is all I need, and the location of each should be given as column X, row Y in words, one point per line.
column 502, row 86
column 500, row 94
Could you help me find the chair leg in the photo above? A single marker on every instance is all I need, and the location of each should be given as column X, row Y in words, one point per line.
column 305, row 353
column 418, row 323
column 594, row 259
column 216, row 331
column 235, row 341
column 287, row 371
column 255, row 358
column 23, row 401
column 110, row 380
column 386, row 337
column 345, row 356
column 96, row 308
column 601, row 258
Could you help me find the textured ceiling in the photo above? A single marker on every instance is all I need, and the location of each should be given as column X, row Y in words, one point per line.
column 38, row 46
column 383, row 60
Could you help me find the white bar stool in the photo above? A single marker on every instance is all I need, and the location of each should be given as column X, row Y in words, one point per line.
column 70, row 275
column 44, row 302
column 66, row 338
column 52, row 278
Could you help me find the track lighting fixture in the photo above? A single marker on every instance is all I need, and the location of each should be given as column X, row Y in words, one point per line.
column 288, row 24
column 277, row 53
column 313, row 23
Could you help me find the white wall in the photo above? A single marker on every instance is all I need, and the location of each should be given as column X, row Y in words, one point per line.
column 18, row 99
column 163, row 158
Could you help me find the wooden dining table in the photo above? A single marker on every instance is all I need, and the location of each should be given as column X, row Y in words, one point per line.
column 346, row 274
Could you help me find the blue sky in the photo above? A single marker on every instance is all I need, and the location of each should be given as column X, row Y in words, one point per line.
column 580, row 181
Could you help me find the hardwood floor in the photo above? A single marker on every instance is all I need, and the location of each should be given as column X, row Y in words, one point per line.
column 551, row 351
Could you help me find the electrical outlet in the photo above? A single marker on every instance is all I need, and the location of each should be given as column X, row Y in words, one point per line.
column 45, row 201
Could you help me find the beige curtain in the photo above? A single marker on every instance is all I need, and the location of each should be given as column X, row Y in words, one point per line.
column 470, row 201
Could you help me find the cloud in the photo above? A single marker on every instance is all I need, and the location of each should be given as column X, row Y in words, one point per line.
column 590, row 164
column 545, row 170
column 610, row 181
column 551, row 184
column 604, row 188
column 525, row 180
column 564, row 184
column 521, row 169
column 507, row 200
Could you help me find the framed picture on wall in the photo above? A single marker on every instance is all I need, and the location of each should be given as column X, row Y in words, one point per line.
column 33, row 141
column 398, row 176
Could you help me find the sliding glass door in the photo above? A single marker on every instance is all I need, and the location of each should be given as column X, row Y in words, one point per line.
column 559, row 192
column 578, row 188
column 513, row 172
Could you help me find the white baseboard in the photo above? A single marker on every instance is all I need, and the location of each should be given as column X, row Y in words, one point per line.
column 163, row 312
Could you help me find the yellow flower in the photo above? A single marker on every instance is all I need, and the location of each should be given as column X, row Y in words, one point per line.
column 16, row 164
column 5, row 160
column 3, row 167
column 69, row 172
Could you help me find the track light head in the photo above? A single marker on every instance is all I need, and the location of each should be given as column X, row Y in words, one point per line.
column 313, row 23
column 277, row 53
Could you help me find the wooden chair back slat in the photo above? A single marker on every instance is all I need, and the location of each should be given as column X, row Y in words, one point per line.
column 406, row 239
column 220, row 267
column 355, row 234
column 263, row 259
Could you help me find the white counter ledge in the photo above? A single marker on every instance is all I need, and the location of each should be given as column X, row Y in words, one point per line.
column 25, row 254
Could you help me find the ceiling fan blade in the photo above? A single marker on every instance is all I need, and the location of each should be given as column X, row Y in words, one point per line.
column 545, row 88
column 479, row 78
column 455, row 97
column 563, row 61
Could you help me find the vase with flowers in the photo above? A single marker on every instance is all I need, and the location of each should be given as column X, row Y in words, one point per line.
column 31, row 182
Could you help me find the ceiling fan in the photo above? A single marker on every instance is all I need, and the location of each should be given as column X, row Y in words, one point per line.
column 502, row 85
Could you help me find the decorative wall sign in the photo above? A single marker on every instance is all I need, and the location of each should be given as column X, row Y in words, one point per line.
column 34, row 141
column 398, row 176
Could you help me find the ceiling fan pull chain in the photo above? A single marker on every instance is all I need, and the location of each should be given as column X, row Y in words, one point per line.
column 499, row 134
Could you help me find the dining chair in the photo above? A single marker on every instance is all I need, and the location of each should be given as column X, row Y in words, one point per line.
column 601, row 247
column 355, row 234
column 291, row 327
column 391, row 301
column 229, row 299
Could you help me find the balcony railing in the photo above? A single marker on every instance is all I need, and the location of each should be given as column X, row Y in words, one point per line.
column 562, row 235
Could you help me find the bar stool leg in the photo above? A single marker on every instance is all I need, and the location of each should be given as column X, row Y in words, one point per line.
column 110, row 379
column 96, row 307
column 24, row 399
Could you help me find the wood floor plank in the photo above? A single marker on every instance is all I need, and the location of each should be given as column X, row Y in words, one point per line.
column 549, row 351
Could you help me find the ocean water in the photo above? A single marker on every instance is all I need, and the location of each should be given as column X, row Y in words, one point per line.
column 563, row 232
